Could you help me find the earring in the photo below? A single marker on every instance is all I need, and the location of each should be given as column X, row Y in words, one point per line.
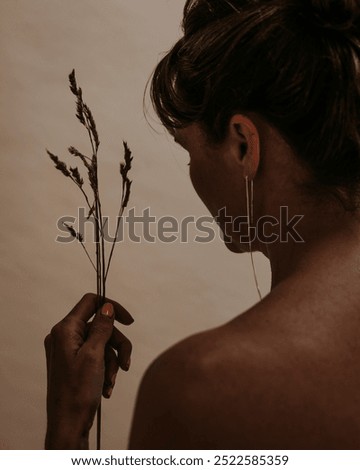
column 250, row 222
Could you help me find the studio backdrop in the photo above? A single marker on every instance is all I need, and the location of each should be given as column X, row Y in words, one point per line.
column 176, row 282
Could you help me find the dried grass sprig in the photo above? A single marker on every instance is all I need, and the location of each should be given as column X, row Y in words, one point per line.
column 125, row 167
column 102, row 264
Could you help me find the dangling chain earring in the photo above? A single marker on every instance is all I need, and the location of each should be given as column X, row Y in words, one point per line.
column 250, row 221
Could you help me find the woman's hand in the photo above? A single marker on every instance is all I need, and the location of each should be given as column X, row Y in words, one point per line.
column 81, row 366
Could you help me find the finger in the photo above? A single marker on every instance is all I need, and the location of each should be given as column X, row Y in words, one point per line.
column 89, row 304
column 47, row 345
column 111, row 369
column 123, row 346
column 121, row 314
column 101, row 329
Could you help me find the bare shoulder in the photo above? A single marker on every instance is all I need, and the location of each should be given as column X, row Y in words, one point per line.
column 167, row 396
column 242, row 386
column 188, row 396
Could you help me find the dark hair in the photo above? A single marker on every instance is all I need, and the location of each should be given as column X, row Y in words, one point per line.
column 294, row 62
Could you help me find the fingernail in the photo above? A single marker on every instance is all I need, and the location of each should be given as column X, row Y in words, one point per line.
column 108, row 310
column 109, row 392
column 127, row 365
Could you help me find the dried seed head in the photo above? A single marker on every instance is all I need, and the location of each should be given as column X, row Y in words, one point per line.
column 73, row 151
column 76, row 175
column 80, row 107
column 92, row 125
column 73, row 84
column 59, row 165
column 127, row 155
column 126, row 167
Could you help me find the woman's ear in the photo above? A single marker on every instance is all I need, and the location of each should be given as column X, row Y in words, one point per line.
column 245, row 142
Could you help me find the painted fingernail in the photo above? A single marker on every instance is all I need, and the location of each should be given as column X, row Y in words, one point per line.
column 108, row 310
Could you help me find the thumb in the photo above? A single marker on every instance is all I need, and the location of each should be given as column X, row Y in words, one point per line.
column 101, row 328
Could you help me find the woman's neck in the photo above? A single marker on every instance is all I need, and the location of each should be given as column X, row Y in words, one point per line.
column 328, row 236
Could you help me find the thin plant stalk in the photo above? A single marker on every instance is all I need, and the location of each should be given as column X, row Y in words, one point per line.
column 101, row 265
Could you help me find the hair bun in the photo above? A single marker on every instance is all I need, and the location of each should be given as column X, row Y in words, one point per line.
column 336, row 15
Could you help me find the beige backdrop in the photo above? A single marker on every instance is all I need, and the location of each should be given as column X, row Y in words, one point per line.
column 172, row 290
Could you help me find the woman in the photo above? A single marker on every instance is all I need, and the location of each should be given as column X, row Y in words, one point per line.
column 265, row 97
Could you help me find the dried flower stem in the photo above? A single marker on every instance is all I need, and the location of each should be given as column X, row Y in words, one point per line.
column 101, row 266
column 126, row 188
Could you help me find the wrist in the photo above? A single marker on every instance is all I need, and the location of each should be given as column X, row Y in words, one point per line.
column 64, row 433
column 62, row 437
column 66, row 441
